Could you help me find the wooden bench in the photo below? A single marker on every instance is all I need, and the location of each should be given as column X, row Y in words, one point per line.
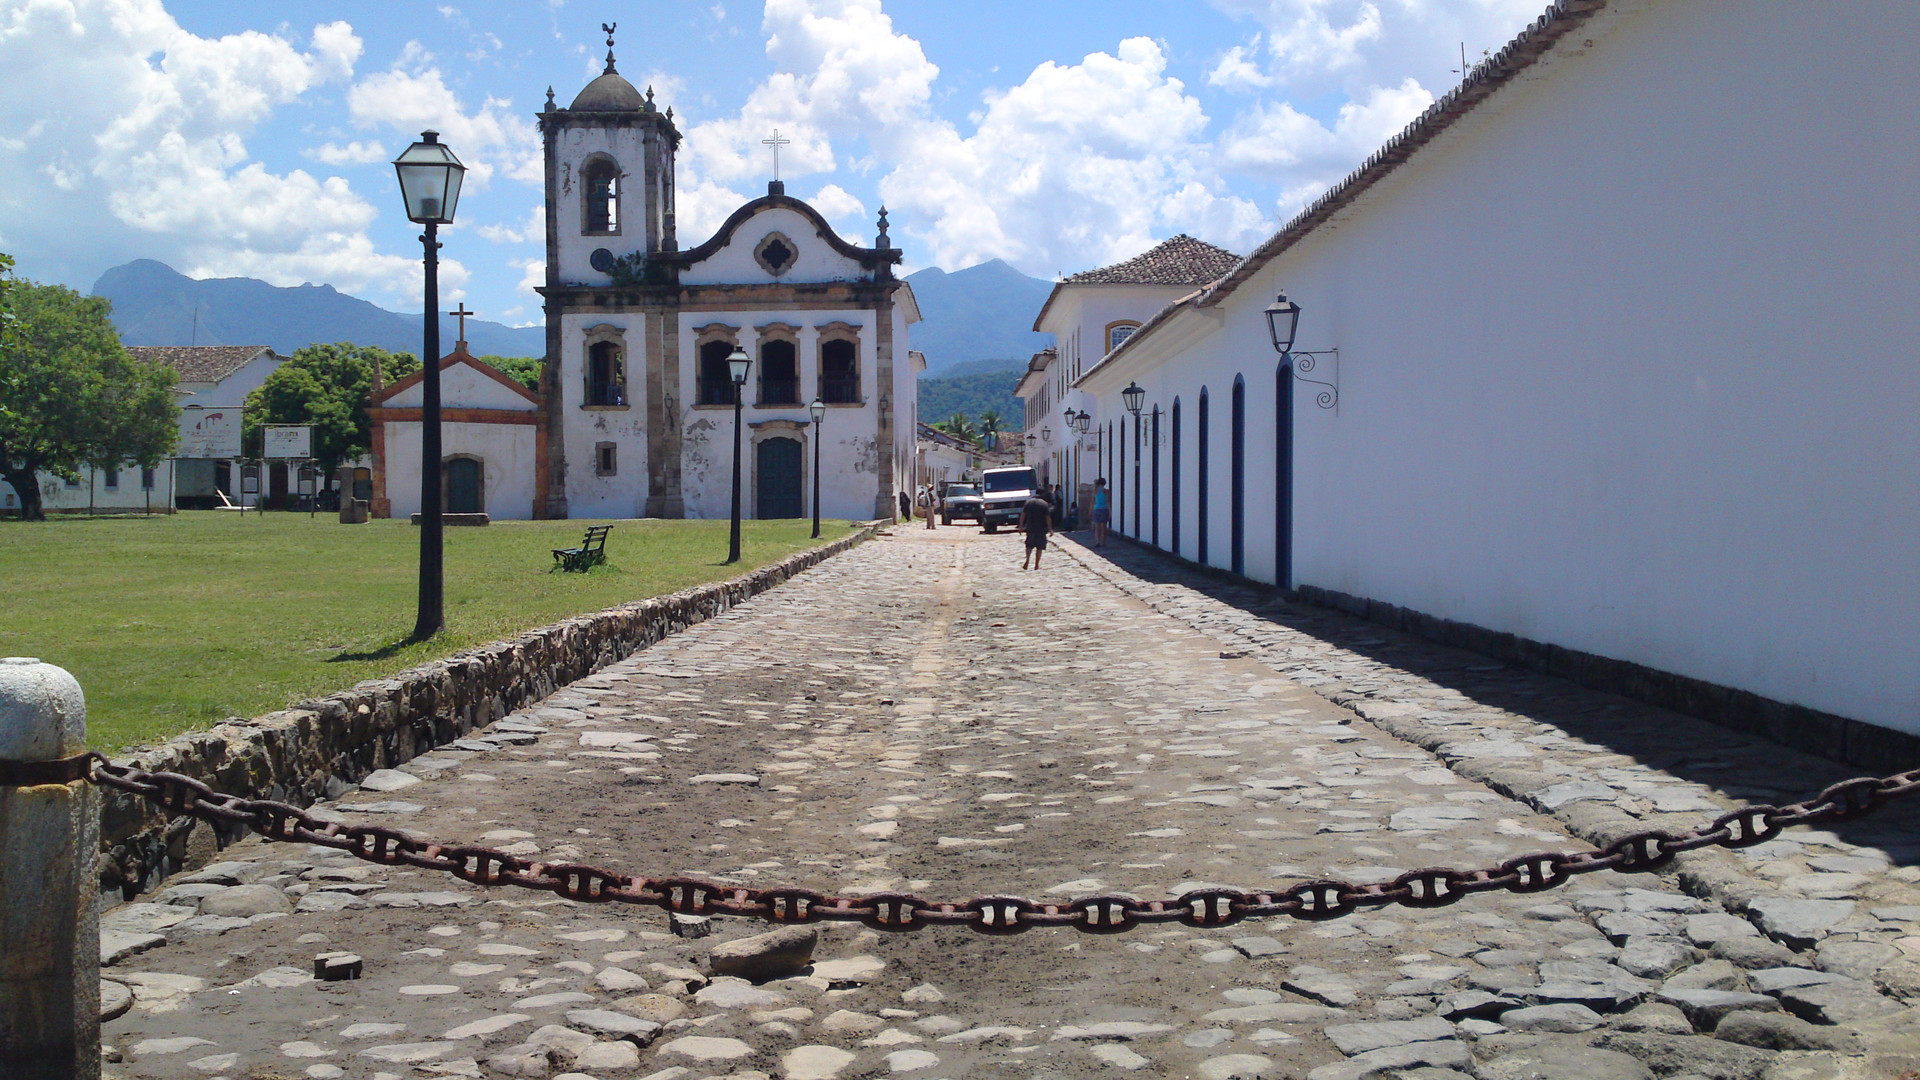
column 591, row 552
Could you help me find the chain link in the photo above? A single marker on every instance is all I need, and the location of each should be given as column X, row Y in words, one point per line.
column 1109, row 913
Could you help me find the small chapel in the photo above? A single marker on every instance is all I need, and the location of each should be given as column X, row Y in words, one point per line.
column 636, row 409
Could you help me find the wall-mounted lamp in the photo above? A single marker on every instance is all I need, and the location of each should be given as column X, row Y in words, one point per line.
column 1283, row 321
column 1134, row 398
column 1283, row 318
column 1080, row 420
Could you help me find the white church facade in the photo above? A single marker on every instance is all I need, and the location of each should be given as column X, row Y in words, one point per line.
column 1596, row 362
column 638, row 333
column 635, row 415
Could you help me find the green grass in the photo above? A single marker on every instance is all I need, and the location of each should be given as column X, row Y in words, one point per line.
column 175, row 623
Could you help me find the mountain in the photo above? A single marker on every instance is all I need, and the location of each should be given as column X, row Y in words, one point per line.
column 984, row 312
column 153, row 304
column 972, row 387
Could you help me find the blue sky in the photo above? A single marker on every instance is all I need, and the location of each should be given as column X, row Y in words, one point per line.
column 248, row 139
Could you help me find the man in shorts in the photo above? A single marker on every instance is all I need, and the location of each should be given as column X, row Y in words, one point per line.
column 1036, row 520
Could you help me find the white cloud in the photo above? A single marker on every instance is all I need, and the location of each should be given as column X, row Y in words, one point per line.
column 354, row 153
column 1280, row 144
column 1315, row 46
column 532, row 230
column 1236, row 69
column 141, row 148
column 412, row 97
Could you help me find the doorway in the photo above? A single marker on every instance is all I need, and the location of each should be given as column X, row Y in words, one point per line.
column 777, row 479
column 463, row 486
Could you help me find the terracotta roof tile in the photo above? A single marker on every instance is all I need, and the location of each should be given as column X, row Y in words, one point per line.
column 1181, row 260
column 198, row 363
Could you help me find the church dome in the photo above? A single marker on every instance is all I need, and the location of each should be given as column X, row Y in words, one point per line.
column 609, row 93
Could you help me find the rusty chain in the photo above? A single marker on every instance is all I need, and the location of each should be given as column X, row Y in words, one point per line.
column 995, row 914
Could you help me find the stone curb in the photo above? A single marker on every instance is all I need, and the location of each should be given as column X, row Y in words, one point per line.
column 319, row 748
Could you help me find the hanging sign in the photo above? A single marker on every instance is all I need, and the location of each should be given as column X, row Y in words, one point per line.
column 288, row 441
column 209, row 432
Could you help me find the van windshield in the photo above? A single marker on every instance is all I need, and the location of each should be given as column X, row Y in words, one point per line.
column 1010, row 481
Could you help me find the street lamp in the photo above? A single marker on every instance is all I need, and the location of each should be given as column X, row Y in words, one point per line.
column 737, row 364
column 819, row 411
column 1081, row 420
column 1283, row 317
column 430, row 185
column 1134, row 397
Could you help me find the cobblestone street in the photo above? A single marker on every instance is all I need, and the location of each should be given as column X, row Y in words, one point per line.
column 921, row 715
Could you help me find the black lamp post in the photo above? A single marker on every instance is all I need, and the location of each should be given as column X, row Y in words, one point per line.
column 819, row 411
column 1134, row 397
column 737, row 364
column 1283, row 318
column 430, row 184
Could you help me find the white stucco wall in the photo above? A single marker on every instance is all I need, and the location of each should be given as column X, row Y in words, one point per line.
column 573, row 148
column 1625, row 361
column 506, row 456
column 624, row 494
column 814, row 259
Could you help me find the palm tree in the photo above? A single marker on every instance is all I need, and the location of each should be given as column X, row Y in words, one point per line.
column 959, row 427
column 990, row 425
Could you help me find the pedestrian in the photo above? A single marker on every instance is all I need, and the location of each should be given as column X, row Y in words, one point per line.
column 933, row 504
column 1059, row 509
column 1102, row 512
column 1036, row 520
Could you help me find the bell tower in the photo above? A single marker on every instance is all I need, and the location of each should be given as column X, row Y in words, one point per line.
column 609, row 180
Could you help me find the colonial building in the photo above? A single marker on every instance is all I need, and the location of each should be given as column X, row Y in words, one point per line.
column 493, row 442
column 638, row 400
column 1090, row 314
column 1596, row 363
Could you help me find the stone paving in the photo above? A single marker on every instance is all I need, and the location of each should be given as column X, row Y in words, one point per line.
column 921, row 715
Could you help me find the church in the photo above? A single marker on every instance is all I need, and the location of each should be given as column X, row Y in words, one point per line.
column 636, row 409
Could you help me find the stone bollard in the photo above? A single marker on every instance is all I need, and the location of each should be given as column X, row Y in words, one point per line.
column 49, row 915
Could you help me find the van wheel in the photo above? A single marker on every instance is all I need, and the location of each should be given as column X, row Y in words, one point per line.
column 989, row 529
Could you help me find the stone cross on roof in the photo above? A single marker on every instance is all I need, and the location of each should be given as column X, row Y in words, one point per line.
column 776, row 142
column 462, row 313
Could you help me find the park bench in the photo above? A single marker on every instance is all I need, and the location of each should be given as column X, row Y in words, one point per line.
column 592, row 550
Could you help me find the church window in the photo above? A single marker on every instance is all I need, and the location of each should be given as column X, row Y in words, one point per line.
column 606, row 374
column 715, row 377
column 775, row 254
column 603, row 459
column 1119, row 332
column 779, row 373
column 839, row 372
column 600, row 189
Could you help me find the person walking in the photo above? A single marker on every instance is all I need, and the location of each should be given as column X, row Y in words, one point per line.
column 1036, row 520
column 1102, row 511
column 933, row 503
column 1059, row 509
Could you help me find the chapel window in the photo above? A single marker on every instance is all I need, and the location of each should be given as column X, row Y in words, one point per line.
column 1119, row 332
column 606, row 375
column 715, row 376
column 600, row 181
column 839, row 372
column 779, row 373
column 604, row 461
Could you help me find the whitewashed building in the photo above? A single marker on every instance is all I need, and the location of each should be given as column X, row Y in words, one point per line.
column 1090, row 314
column 207, row 377
column 493, row 442
column 1614, row 361
column 639, row 405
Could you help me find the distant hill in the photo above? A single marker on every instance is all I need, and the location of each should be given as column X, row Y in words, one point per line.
column 984, row 312
column 973, row 387
column 153, row 304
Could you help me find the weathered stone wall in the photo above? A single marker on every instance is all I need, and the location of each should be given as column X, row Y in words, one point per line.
column 318, row 748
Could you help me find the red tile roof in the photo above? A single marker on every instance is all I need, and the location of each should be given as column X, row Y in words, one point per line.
column 1181, row 260
column 199, row 363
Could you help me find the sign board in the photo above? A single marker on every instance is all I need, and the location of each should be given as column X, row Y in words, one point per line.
column 288, row 441
column 209, row 433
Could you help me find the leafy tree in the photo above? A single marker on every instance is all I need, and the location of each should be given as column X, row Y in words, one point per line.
column 991, row 425
column 959, row 427
column 524, row 370
column 71, row 396
column 326, row 386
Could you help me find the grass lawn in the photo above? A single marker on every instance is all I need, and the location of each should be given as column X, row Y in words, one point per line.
column 174, row 623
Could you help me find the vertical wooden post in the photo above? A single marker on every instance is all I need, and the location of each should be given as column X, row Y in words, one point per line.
column 49, row 916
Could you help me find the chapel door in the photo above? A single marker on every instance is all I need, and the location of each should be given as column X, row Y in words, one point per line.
column 463, row 487
column 778, row 479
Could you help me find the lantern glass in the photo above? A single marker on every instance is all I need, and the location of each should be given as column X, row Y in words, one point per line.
column 429, row 180
column 1134, row 397
column 1283, row 318
column 1081, row 421
column 737, row 363
column 1046, row 434
column 818, row 409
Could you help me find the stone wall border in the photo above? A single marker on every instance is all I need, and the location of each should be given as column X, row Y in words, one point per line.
column 321, row 748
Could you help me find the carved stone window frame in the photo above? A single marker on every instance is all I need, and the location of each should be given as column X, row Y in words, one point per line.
column 603, row 334
column 767, row 241
column 824, row 334
column 587, row 164
column 606, row 459
column 703, row 336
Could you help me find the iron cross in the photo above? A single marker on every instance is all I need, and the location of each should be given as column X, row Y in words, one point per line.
column 776, row 142
column 463, row 313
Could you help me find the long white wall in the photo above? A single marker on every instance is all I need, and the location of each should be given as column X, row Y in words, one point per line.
column 1625, row 360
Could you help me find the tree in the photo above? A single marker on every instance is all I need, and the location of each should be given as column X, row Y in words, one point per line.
column 959, row 427
column 990, row 426
column 524, row 370
column 327, row 386
column 71, row 397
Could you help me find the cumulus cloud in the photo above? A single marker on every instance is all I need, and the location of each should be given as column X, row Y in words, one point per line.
column 141, row 147
column 1282, row 145
column 1312, row 46
column 353, row 153
column 531, row 230
column 412, row 96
